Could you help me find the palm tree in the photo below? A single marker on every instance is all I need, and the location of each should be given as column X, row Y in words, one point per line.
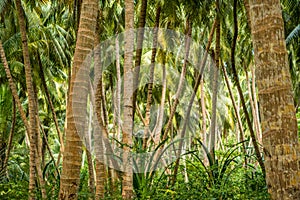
column 139, row 49
column 279, row 124
column 127, row 186
column 70, row 175
column 34, row 131
column 13, row 88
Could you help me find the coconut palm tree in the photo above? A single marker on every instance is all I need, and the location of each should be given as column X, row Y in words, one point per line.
column 70, row 176
column 127, row 184
column 34, row 130
column 279, row 124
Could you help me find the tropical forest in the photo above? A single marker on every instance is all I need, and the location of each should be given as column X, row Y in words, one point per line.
column 149, row 99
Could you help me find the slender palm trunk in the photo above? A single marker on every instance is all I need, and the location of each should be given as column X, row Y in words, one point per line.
column 150, row 84
column 182, row 78
column 279, row 124
column 91, row 174
column 236, row 78
column 159, row 124
column 118, row 91
column 256, row 112
column 70, row 176
column 33, row 128
column 253, row 111
column 101, row 129
column 139, row 51
column 236, row 110
column 14, row 92
column 127, row 182
column 10, row 138
column 191, row 101
column 215, row 87
column 203, row 112
column 59, row 133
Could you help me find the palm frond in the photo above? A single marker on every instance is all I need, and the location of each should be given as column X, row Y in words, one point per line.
column 293, row 35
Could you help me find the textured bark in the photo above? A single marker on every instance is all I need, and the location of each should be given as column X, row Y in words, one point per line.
column 70, row 176
column 33, row 128
column 99, row 131
column 127, row 182
column 278, row 118
column 139, row 51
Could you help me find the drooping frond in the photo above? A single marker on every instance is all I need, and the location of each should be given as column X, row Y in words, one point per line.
column 294, row 34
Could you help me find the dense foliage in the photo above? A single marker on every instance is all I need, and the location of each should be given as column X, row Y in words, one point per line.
column 231, row 172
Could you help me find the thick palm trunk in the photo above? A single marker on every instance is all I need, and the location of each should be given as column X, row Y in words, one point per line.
column 70, row 176
column 33, row 128
column 278, row 118
column 127, row 183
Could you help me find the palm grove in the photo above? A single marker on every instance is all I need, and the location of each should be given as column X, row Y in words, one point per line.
column 149, row 99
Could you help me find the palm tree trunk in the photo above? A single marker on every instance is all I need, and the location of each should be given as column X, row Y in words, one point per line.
column 150, row 84
column 33, row 134
column 59, row 133
column 70, row 176
column 255, row 119
column 139, row 51
column 14, row 92
column 196, row 86
column 253, row 89
column 159, row 124
column 182, row 78
column 215, row 86
column 10, row 138
column 118, row 91
column 203, row 112
column 278, row 117
column 91, row 174
column 236, row 78
column 127, row 182
column 99, row 131
column 236, row 111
